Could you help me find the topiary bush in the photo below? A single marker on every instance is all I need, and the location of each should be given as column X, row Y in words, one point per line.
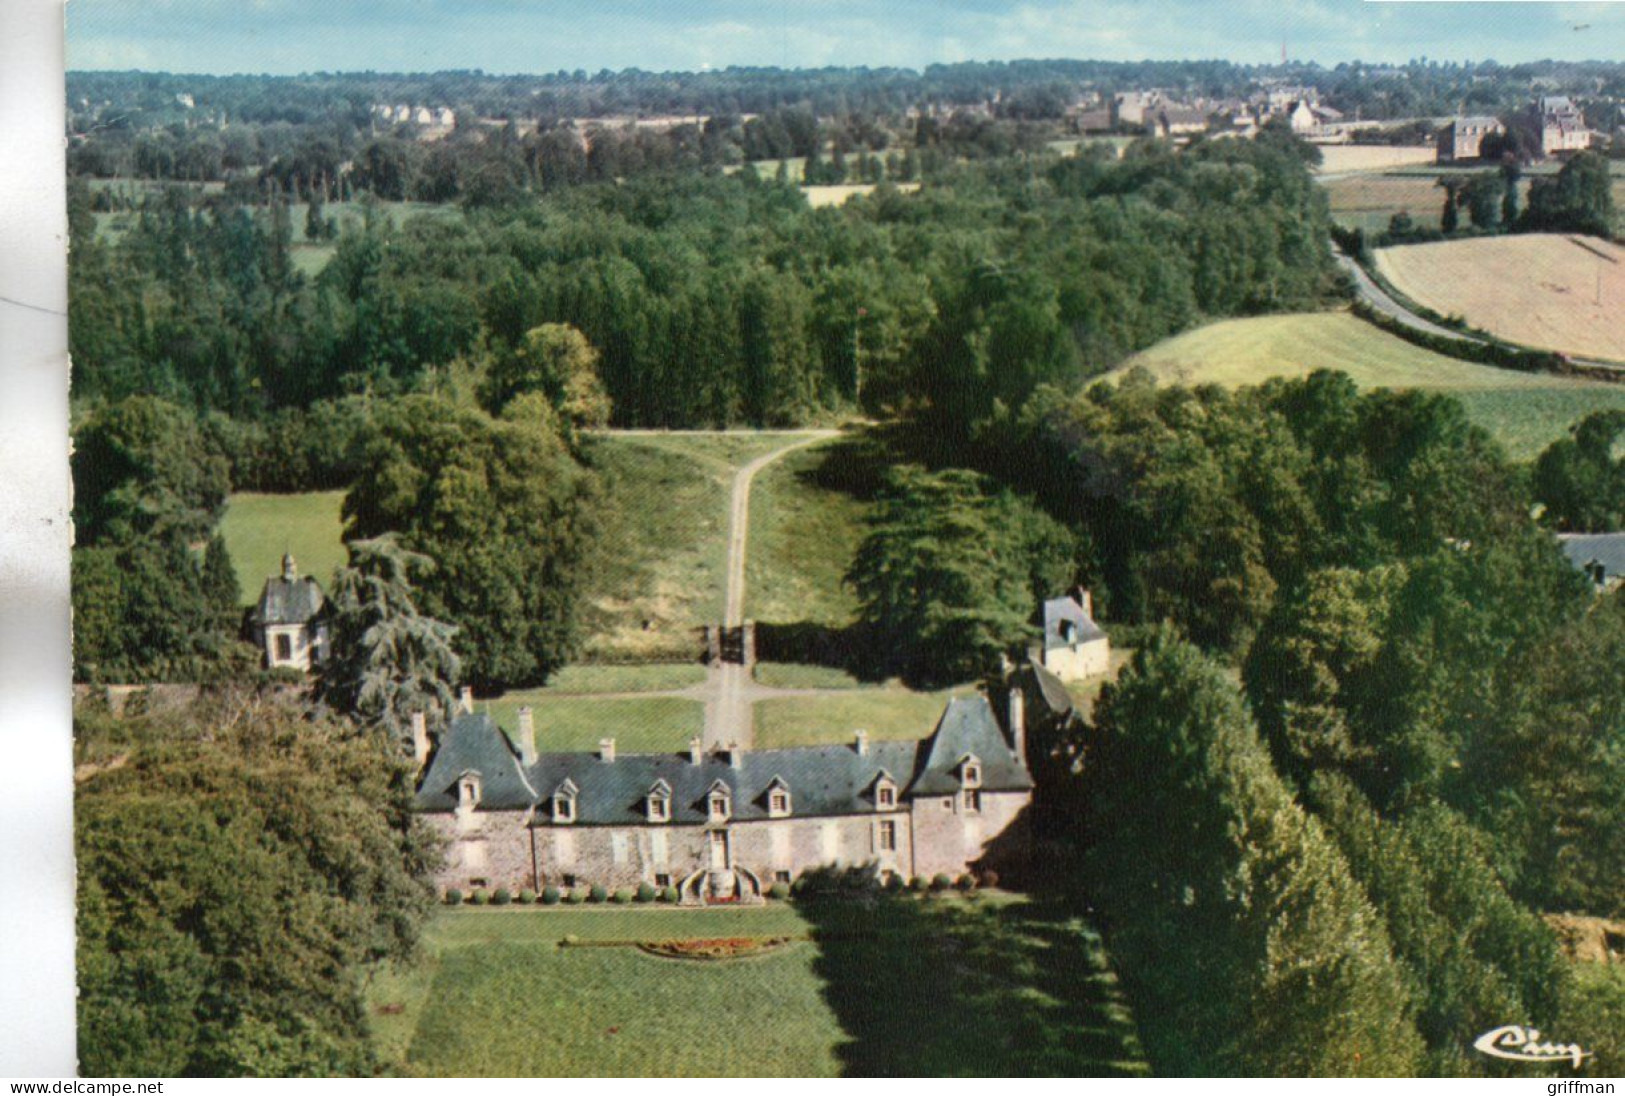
column 575, row 897
column 479, row 898
column 550, row 896
column 454, row 897
column 966, row 882
column 527, row 897
column 646, row 892
column 597, row 894
column 918, row 883
column 895, row 884
column 990, row 878
column 669, row 895
column 781, row 891
column 622, row 897
column 941, row 881
column 501, row 897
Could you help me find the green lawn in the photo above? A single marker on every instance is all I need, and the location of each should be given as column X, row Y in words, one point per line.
column 885, row 711
column 989, row 987
column 652, row 677
column 259, row 528
column 801, row 675
column 660, row 574
column 655, row 724
column 803, row 536
column 1525, row 411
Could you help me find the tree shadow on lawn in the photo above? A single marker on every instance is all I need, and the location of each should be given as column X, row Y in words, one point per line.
column 953, row 986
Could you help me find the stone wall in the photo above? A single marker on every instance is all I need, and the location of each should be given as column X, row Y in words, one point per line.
column 1079, row 661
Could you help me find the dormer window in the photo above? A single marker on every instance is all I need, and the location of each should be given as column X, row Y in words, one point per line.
column 885, row 793
column 970, row 771
column 778, row 799
column 564, row 803
column 468, row 791
column 719, row 803
column 658, row 802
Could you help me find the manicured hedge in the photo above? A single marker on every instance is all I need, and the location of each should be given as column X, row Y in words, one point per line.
column 550, row 896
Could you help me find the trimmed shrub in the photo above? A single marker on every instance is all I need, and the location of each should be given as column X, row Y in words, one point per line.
column 454, row 897
column 479, row 898
column 646, row 892
column 597, row 894
column 990, row 878
column 501, row 897
column 966, row 882
column 550, row 896
column 918, row 883
column 622, row 897
column 781, row 891
column 941, row 882
column 527, row 897
column 669, row 895
column 895, row 884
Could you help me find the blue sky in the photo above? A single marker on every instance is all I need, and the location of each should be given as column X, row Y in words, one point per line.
column 502, row 36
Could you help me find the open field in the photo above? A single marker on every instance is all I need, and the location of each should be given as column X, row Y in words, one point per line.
column 839, row 193
column 803, row 537
column 861, row 990
column 885, row 711
column 1564, row 293
column 1339, row 158
column 662, row 572
column 653, row 724
column 259, row 528
column 1525, row 411
column 1370, row 201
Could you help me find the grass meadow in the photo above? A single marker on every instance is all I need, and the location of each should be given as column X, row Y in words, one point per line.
column 885, row 711
column 259, row 528
column 991, row 986
column 1524, row 411
column 652, row 724
column 803, row 537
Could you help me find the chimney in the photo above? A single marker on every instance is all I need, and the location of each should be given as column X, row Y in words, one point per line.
column 860, row 743
column 420, row 740
column 735, row 754
column 1018, row 723
column 606, row 749
column 290, row 571
column 696, row 751
column 527, row 737
column 465, row 699
column 1087, row 602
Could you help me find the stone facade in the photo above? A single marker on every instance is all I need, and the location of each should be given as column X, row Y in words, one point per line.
column 289, row 623
column 1075, row 647
column 729, row 824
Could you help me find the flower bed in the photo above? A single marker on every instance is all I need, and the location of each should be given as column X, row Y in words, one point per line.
column 728, row 947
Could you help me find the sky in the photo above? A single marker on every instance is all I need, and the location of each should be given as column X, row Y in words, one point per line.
column 532, row 36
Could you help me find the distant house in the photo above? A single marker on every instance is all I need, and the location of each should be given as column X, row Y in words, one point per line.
column 1562, row 125
column 1461, row 138
column 1601, row 556
column 1074, row 646
column 1175, row 121
column 724, row 824
column 289, row 623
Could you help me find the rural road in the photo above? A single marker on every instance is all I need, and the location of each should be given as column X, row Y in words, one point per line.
column 732, row 692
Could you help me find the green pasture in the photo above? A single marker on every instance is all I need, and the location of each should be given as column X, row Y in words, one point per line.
column 259, row 528
column 908, row 987
column 803, row 537
column 651, row 724
column 1524, row 411
column 885, row 711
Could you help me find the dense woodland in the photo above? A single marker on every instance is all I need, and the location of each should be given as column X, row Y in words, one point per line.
column 1378, row 710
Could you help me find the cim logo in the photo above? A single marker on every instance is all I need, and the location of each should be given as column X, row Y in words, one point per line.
column 1521, row 1044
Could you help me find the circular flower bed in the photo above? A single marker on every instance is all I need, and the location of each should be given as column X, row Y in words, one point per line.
column 728, row 947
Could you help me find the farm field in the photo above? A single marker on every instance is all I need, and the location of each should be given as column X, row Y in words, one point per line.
column 661, row 575
column 860, row 990
column 840, row 193
column 1369, row 201
column 1555, row 292
column 803, row 537
column 259, row 528
column 1525, row 411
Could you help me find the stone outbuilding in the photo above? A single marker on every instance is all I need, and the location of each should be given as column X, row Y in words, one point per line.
column 1600, row 556
column 1074, row 646
column 290, row 622
column 725, row 824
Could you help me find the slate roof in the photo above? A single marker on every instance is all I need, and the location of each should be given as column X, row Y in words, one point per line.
column 289, row 601
column 823, row 780
column 1607, row 549
column 1059, row 611
column 1050, row 688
